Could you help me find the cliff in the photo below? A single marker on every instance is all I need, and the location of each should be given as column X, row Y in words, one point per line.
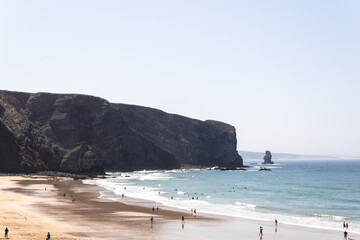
column 86, row 134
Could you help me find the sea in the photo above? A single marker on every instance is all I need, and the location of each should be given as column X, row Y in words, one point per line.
column 319, row 194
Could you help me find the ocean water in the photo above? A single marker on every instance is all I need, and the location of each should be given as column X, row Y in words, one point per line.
column 320, row 194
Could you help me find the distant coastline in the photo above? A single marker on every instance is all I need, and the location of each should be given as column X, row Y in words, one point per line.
column 249, row 155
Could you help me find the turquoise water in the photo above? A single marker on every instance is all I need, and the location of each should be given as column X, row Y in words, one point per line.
column 320, row 194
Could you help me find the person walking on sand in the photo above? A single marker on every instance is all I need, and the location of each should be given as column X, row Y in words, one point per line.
column 183, row 221
column 151, row 221
column 48, row 237
column 6, row 232
column 261, row 231
column 276, row 225
column 345, row 235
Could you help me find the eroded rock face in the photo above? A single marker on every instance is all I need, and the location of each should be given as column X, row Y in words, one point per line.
column 23, row 146
column 85, row 134
column 267, row 158
column 82, row 159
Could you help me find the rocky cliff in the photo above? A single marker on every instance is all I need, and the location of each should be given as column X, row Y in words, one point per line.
column 86, row 134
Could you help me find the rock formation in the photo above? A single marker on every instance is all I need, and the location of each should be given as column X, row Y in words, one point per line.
column 267, row 158
column 85, row 134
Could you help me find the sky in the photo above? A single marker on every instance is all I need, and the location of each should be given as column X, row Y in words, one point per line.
column 285, row 74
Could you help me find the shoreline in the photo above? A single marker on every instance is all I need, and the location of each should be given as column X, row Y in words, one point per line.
column 90, row 217
column 305, row 221
column 219, row 216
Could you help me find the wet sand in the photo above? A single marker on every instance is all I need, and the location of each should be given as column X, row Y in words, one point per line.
column 29, row 212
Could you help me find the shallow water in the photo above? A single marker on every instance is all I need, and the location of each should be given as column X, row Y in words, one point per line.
column 319, row 194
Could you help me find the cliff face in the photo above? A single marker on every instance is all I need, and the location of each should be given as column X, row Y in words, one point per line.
column 85, row 134
column 191, row 142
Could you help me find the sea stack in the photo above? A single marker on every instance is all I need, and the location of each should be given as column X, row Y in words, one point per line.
column 267, row 158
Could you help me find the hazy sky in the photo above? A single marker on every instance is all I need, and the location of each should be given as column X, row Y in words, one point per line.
column 286, row 73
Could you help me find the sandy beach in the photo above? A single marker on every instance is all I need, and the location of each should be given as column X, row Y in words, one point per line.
column 32, row 206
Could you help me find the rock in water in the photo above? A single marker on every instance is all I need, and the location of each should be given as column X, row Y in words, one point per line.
column 267, row 158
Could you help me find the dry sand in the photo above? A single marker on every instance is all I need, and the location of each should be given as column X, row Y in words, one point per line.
column 29, row 212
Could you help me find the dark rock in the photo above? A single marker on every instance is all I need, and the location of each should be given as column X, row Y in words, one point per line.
column 264, row 169
column 190, row 141
column 267, row 158
column 10, row 151
column 86, row 134
column 23, row 148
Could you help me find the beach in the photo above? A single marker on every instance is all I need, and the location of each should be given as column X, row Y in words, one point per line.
column 32, row 206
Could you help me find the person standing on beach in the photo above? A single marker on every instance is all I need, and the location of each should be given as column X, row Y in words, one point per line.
column 347, row 225
column 276, row 225
column 182, row 221
column 344, row 225
column 6, row 232
column 48, row 237
column 151, row 221
column 345, row 235
column 194, row 213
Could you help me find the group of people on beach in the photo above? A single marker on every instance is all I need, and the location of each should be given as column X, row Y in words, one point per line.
column 345, row 226
column 71, row 196
column 182, row 218
column 262, row 229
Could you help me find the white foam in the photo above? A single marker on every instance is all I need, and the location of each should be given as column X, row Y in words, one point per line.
column 155, row 176
column 328, row 216
column 246, row 204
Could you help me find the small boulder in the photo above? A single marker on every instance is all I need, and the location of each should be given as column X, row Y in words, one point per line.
column 264, row 169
